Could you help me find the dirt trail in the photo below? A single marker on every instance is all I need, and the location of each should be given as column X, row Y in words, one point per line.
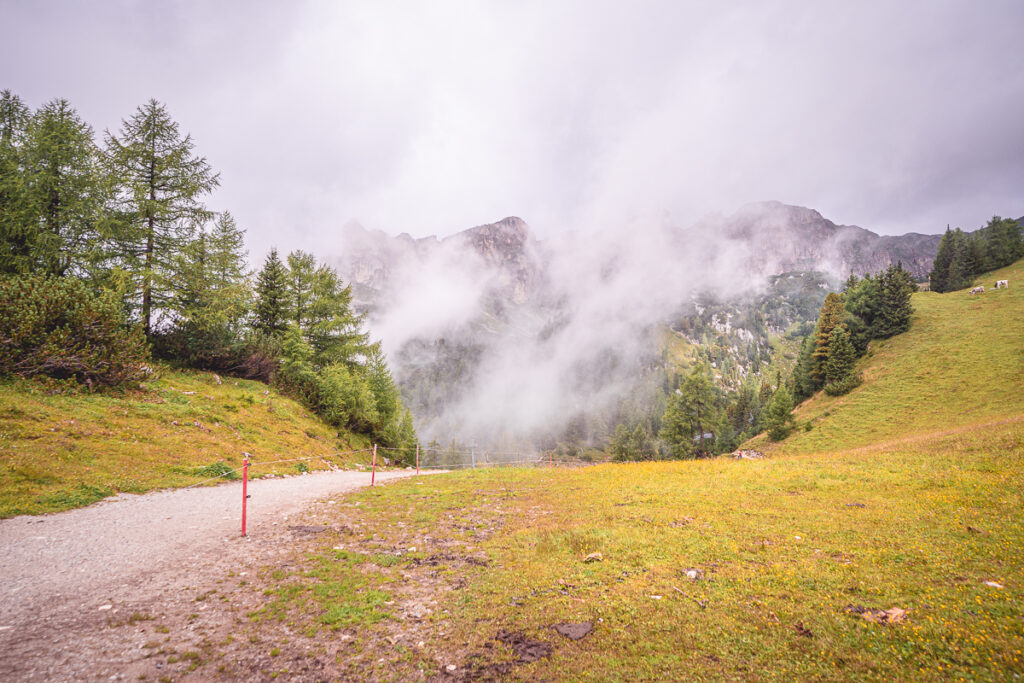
column 64, row 578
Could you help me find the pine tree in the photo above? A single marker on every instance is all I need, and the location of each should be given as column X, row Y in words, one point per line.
column 961, row 267
column 385, row 392
column 17, row 231
column 895, row 287
column 939, row 277
column 804, row 386
column 831, row 315
column 619, row 444
column 1003, row 242
column 779, row 418
column 271, row 297
column 65, row 189
column 640, row 443
column 692, row 419
column 162, row 182
column 841, row 356
column 863, row 305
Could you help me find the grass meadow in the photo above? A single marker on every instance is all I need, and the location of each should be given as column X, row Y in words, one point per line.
column 907, row 495
column 62, row 448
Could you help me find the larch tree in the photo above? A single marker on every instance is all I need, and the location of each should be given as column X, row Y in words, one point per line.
column 17, row 231
column 211, row 292
column 162, row 182
column 65, row 189
column 321, row 305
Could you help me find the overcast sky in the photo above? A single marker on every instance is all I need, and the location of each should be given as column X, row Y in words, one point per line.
column 430, row 117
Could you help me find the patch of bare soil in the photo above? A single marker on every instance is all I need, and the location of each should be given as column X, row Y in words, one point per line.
column 415, row 643
column 158, row 587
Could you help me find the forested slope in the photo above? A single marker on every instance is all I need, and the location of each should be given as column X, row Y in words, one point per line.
column 959, row 366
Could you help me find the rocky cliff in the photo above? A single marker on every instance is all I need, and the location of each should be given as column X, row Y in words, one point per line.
column 785, row 238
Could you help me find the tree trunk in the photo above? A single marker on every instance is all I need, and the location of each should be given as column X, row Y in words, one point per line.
column 147, row 279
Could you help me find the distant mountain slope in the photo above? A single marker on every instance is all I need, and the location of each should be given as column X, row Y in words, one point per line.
column 774, row 237
column 493, row 331
column 786, row 238
column 958, row 367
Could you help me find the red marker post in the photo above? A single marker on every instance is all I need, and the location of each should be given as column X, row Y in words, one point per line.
column 373, row 473
column 417, row 458
column 245, row 486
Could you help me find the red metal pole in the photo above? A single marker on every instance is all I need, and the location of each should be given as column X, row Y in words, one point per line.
column 551, row 459
column 245, row 486
column 417, row 458
column 373, row 473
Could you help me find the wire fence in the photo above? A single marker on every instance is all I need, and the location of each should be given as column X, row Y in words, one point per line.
column 427, row 460
column 530, row 460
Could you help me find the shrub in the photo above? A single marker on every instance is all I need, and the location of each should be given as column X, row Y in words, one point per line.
column 60, row 328
column 843, row 386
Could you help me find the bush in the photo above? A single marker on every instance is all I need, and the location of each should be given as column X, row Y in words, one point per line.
column 256, row 357
column 843, row 386
column 60, row 328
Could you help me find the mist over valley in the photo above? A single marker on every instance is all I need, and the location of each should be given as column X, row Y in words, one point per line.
column 508, row 342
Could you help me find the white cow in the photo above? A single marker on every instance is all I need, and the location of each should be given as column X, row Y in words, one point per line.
column 1002, row 283
column 978, row 290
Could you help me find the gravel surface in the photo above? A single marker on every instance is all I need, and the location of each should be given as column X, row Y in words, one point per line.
column 65, row 578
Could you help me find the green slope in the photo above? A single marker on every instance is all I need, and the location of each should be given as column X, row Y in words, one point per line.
column 64, row 450
column 959, row 367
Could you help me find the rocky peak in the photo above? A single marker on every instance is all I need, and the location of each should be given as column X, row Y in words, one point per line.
column 502, row 242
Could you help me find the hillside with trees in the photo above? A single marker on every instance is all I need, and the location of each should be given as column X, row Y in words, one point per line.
column 962, row 256
column 110, row 260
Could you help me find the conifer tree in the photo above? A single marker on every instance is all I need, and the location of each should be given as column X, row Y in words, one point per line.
column 863, row 306
column 640, row 443
column 17, row 232
column 320, row 305
column 939, row 277
column 211, row 292
column 690, row 416
column 385, row 393
column 618, row 446
column 894, row 309
column 959, row 269
column 271, row 316
column 804, row 386
column 841, row 356
column 162, row 182
column 779, row 415
column 1003, row 242
column 831, row 315
column 65, row 189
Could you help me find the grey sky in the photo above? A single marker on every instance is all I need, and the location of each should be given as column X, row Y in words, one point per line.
column 430, row 117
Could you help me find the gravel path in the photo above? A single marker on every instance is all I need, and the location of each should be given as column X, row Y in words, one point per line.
column 64, row 576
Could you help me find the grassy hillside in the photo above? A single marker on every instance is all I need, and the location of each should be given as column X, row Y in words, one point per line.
column 63, row 450
column 961, row 364
column 905, row 495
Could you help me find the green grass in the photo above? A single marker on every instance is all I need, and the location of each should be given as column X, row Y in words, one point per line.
column 960, row 366
column 907, row 493
column 61, row 448
column 780, row 542
column 337, row 588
